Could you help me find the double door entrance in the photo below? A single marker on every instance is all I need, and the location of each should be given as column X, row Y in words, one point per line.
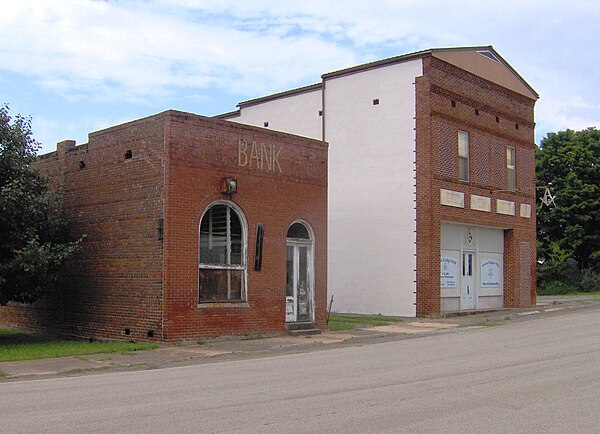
column 299, row 293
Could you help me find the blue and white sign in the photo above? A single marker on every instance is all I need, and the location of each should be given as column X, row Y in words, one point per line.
column 448, row 272
column 491, row 273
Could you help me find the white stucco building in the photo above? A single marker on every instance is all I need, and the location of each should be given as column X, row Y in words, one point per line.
column 420, row 158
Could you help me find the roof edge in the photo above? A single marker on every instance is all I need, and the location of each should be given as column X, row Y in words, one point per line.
column 278, row 95
column 513, row 70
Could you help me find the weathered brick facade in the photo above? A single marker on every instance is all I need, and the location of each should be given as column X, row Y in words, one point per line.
column 450, row 99
column 139, row 190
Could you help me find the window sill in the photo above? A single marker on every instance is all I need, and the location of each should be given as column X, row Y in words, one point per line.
column 229, row 304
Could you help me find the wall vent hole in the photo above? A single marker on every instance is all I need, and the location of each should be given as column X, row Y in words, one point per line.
column 127, row 331
column 497, row 120
column 266, row 124
column 128, row 155
column 376, row 101
column 476, row 112
column 81, row 165
column 150, row 333
column 453, row 103
column 320, row 112
column 516, row 126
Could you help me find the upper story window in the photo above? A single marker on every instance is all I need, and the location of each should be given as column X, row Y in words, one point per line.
column 222, row 254
column 510, row 168
column 463, row 156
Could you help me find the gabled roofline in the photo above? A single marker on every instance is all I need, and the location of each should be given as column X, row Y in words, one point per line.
column 371, row 65
column 491, row 48
column 420, row 55
column 250, row 102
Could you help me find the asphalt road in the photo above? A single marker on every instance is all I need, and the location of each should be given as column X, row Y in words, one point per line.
column 536, row 376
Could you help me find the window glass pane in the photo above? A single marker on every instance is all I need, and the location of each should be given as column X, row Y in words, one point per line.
column 304, row 302
column 463, row 169
column 510, row 168
column 512, row 184
column 220, row 285
column 463, row 156
column 463, row 144
column 298, row 230
column 221, row 237
column 289, row 277
column 510, row 156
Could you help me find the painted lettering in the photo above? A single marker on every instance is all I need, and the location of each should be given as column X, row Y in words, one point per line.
column 265, row 155
column 260, row 156
column 274, row 158
column 242, row 152
column 254, row 155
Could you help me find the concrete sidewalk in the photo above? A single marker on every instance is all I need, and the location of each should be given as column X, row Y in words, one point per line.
column 239, row 348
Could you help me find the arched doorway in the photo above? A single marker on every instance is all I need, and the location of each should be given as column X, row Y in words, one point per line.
column 299, row 293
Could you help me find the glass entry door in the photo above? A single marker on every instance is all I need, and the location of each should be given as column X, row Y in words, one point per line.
column 299, row 282
column 467, row 294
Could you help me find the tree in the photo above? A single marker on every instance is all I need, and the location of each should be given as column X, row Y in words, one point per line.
column 570, row 161
column 33, row 234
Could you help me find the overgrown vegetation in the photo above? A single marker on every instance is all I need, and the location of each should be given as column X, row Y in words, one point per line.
column 33, row 233
column 568, row 233
column 18, row 345
column 338, row 322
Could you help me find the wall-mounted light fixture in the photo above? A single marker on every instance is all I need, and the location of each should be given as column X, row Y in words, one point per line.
column 228, row 186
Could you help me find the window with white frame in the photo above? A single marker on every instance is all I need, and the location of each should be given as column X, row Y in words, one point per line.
column 463, row 156
column 510, row 168
column 222, row 254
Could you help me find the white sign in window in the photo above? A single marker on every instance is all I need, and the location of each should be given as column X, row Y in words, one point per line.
column 491, row 273
column 448, row 272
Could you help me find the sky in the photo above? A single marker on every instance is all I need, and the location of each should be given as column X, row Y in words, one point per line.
column 84, row 65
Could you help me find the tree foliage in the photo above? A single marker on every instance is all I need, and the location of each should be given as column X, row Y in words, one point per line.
column 570, row 161
column 33, row 234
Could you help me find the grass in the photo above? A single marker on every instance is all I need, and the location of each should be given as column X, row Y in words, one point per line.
column 18, row 345
column 572, row 294
column 339, row 322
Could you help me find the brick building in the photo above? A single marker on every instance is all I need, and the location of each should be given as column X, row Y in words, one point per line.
column 196, row 227
column 431, row 179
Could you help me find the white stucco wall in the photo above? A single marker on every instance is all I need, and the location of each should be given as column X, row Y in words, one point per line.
column 372, row 229
column 296, row 114
column 372, row 189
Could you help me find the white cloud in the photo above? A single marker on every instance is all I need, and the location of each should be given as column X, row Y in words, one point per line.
column 89, row 48
column 146, row 52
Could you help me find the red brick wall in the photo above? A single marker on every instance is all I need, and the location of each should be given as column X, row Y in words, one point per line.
column 126, row 278
column 494, row 117
column 115, row 281
column 201, row 152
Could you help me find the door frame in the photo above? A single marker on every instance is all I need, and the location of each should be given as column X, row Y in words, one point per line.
column 468, row 282
column 296, row 244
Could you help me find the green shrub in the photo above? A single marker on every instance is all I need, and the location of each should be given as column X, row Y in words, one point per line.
column 556, row 287
column 589, row 281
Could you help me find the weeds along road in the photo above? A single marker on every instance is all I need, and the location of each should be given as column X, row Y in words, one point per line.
column 535, row 376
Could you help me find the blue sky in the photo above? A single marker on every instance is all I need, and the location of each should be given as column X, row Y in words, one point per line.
column 83, row 65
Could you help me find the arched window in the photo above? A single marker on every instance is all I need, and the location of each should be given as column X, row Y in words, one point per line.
column 222, row 254
column 298, row 231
